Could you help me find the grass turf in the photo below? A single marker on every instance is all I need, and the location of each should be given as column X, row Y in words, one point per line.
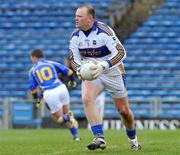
column 60, row 142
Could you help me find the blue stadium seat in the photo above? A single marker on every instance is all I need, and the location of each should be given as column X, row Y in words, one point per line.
column 22, row 114
column 1, row 110
column 27, row 23
column 170, row 113
column 78, row 110
column 152, row 63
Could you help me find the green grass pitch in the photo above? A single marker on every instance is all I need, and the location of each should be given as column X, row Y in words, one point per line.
column 59, row 142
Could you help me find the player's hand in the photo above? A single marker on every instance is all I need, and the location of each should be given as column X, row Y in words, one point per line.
column 99, row 68
column 78, row 70
column 38, row 103
column 72, row 84
column 79, row 74
column 96, row 70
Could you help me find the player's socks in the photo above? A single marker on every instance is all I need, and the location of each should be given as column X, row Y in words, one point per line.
column 97, row 130
column 131, row 133
column 63, row 119
column 133, row 139
column 74, row 132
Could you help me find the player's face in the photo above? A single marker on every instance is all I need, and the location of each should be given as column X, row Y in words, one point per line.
column 33, row 59
column 83, row 19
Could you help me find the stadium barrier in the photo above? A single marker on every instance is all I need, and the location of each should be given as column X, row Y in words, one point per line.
column 152, row 113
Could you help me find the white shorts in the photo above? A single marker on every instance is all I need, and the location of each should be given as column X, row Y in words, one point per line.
column 112, row 81
column 56, row 98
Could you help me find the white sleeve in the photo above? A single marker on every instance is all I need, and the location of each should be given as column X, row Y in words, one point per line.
column 116, row 48
column 75, row 57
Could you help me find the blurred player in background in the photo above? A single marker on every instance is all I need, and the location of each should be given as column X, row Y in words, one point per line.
column 44, row 74
column 97, row 41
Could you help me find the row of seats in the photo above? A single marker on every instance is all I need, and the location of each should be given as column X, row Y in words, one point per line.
column 57, row 1
column 164, row 18
column 27, row 25
column 171, row 5
column 1, row 111
column 153, row 42
column 139, row 110
column 158, row 29
column 153, row 58
column 132, row 66
column 133, row 94
column 153, row 47
column 23, row 114
column 132, row 59
column 47, row 6
column 13, row 94
column 160, row 35
column 150, row 40
column 168, row 11
column 134, row 79
column 153, row 73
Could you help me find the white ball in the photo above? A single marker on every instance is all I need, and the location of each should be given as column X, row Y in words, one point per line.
column 85, row 70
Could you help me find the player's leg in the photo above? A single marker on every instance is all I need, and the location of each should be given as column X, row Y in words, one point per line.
column 61, row 117
column 72, row 124
column 115, row 84
column 125, row 112
column 89, row 93
column 127, row 118
column 52, row 98
column 56, row 99
column 100, row 101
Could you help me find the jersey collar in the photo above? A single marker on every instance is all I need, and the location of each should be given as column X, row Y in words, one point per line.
column 93, row 28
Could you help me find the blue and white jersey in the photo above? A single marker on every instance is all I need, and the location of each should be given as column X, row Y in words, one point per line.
column 100, row 42
column 45, row 75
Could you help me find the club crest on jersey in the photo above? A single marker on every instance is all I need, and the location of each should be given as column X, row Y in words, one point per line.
column 94, row 42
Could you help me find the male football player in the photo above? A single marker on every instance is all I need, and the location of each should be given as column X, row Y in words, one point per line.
column 94, row 40
column 44, row 74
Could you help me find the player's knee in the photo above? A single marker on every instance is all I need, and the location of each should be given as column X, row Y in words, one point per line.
column 56, row 119
column 124, row 111
column 86, row 100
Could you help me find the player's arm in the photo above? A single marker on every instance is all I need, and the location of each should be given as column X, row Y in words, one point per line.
column 75, row 57
column 60, row 68
column 33, row 85
column 117, row 56
column 72, row 82
column 33, row 88
column 116, row 48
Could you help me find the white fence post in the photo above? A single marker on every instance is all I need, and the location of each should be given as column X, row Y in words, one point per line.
column 6, row 123
column 156, row 109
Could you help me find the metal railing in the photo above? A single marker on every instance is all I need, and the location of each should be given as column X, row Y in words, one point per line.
column 6, row 108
